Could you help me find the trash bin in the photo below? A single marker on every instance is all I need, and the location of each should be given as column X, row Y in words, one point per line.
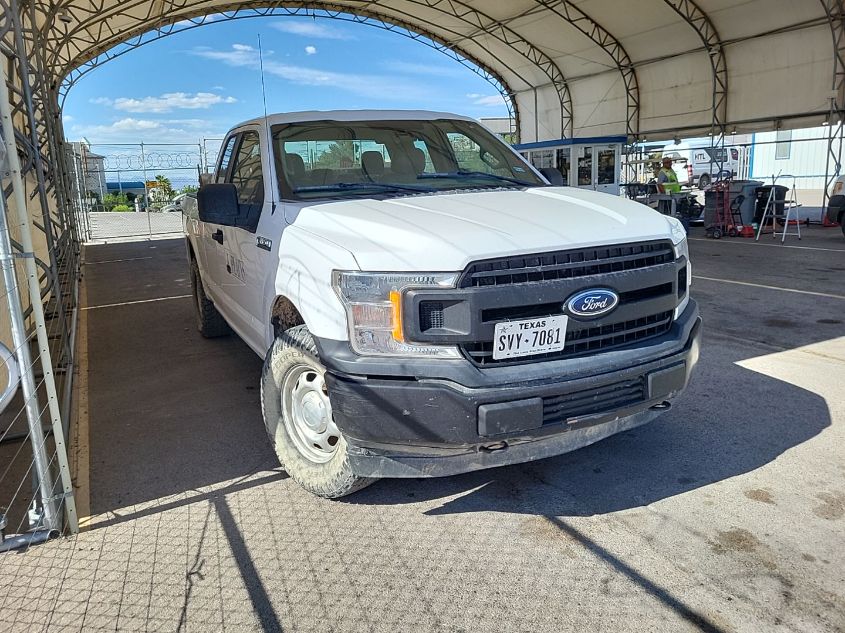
column 762, row 198
column 748, row 207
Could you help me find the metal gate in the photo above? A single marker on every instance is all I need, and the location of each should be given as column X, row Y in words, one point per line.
column 135, row 189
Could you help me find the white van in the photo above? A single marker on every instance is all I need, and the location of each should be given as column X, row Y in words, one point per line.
column 702, row 162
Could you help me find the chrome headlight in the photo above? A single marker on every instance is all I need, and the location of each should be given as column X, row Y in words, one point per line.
column 373, row 303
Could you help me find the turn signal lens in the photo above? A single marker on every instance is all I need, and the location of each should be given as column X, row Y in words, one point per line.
column 396, row 302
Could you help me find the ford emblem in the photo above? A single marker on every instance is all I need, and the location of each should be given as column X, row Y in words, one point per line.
column 592, row 303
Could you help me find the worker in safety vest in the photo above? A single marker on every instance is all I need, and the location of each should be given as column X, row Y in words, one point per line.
column 667, row 182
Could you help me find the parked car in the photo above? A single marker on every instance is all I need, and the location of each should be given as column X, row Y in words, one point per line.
column 175, row 204
column 702, row 164
column 426, row 303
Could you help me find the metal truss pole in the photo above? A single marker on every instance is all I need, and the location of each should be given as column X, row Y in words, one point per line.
column 37, row 307
column 25, row 68
column 146, row 193
column 576, row 17
column 835, row 11
column 50, row 516
column 700, row 22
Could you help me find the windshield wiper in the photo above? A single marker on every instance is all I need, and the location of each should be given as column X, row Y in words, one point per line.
column 357, row 186
column 477, row 174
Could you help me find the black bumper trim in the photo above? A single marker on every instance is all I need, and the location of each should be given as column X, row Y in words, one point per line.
column 409, row 427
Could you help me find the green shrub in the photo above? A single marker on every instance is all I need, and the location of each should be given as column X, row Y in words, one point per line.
column 112, row 200
column 121, row 208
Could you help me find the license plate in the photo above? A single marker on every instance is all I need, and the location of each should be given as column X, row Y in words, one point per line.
column 529, row 336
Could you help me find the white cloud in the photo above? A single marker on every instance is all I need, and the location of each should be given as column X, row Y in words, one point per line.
column 311, row 29
column 165, row 102
column 413, row 68
column 486, row 100
column 136, row 130
column 310, row 50
column 373, row 86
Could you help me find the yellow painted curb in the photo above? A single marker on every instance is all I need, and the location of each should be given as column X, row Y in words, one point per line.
column 80, row 446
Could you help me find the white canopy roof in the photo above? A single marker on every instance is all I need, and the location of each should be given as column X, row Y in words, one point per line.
column 571, row 68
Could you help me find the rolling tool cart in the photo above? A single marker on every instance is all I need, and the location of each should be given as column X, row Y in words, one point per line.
column 721, row 216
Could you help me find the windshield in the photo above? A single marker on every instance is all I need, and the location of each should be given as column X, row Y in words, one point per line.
column 345, row 159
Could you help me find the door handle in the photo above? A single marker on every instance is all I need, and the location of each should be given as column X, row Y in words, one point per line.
column 217, row 236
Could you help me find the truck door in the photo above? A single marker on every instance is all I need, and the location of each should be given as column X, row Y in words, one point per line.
column 246, row 256
column 209, row 236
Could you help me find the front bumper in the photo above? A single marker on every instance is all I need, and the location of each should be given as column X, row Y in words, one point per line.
column 433, row 418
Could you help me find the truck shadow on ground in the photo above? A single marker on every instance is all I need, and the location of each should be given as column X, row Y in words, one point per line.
column 730, row 421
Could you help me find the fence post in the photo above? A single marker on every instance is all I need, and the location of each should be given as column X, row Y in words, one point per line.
column 28, row 255
column 146, row 194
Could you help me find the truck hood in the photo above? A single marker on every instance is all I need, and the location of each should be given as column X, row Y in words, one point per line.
column 445, row 232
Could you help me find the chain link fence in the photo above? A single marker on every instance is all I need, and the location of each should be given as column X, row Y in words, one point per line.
column 136, row 189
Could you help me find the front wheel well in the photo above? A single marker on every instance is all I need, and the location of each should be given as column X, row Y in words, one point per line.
column 284, row 315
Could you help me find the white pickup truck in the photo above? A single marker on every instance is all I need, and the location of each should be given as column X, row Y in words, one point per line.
column 426, row 302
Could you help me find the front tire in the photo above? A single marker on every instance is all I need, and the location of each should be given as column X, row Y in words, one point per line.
column 703, row 182
column 298, row 418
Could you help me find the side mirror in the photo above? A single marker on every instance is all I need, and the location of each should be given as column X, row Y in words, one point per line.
column 553, row 176
column 218, row 203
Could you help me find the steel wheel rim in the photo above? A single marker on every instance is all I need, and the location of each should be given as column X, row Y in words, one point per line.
column 307, row 414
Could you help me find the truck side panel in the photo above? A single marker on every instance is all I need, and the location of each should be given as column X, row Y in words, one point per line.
column 306, row 263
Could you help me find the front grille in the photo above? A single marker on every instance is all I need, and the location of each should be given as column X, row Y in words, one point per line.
column 567, row 264
column 612, row 397
column 588, row 340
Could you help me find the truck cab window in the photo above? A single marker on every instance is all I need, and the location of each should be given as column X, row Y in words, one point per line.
column 225, row 157
column 468, row 153
column 247, row 175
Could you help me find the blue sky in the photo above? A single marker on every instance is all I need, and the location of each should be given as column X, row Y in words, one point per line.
column 198, row 83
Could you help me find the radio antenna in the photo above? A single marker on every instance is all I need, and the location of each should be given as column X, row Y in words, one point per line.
column 266, row 122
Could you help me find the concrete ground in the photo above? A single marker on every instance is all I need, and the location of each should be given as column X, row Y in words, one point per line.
column 727, row 514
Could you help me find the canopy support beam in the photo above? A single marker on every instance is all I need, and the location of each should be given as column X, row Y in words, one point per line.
column 835, row 11
column 610, row 45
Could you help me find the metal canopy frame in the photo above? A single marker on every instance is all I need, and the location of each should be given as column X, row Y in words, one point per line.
column 102, row 29
column 394, row 26
column 395, row 21
column 610, row 45
column 703, row 26
column 835, row 11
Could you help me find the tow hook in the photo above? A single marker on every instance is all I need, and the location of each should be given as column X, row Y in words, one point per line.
column 662, row 406
column 491, row 448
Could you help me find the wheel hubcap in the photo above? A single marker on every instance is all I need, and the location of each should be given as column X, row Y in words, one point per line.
column 308, row 414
